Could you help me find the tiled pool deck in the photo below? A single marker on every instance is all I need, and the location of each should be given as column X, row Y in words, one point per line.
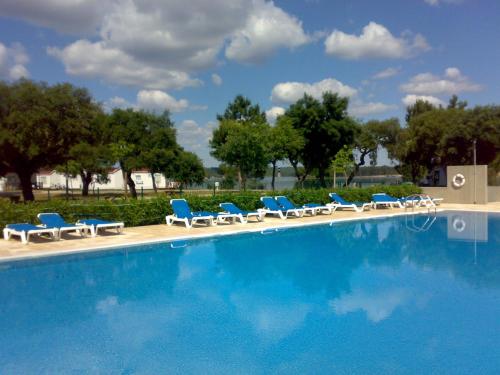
column 72, row 243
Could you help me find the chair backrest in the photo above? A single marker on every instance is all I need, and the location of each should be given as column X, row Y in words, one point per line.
column 181, row 208
column 52, row 219
column 383, row 197
column 284, row 202
column 270, row 203
column 231, row 208
column 337, row 198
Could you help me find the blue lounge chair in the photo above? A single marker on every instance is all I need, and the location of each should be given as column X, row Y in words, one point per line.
column 96, row 224
column 341, row 203
column 311, row 208
column 243, row 216
column 183, row 213
column 385, row 200
column 25, row 230
column 272, row 207
column 54, row 220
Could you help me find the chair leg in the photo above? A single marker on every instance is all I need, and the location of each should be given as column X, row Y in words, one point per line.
column 6, row 233
column 24, row 240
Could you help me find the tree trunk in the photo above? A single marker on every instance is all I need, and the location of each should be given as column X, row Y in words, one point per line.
column 356, row 167
column 240, row 179
column 274, row 174
column 27, row 188
column 86, row 180
column 154, row 182
column 321, row 175
column 131, row 185
column 125, row 182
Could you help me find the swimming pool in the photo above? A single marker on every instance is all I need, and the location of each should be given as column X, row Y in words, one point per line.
column 404, row 295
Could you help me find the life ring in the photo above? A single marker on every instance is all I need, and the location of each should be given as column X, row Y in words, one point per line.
column 458, row 180
column 459, row 225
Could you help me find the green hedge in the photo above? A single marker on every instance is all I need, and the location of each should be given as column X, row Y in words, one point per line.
column 153, row 210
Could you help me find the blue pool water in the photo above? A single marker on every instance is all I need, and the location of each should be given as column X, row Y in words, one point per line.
column 401, row 295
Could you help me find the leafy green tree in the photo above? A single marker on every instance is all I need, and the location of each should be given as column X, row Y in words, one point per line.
column 241, row 139
column 241, row 109
column 141, row 139
column 325, row 127
column 39, row 124
column 91, row 158
column 188, row 169
column 372, row 135
column 420, row 106
column 343, row 163
column 454, row 103
column 242, row 145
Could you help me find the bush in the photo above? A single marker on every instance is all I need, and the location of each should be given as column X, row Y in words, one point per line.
column 153, row 210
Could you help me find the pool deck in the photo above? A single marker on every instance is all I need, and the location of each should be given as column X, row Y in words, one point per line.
column 73, row 243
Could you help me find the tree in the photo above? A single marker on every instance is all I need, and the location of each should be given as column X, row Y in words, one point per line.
column 159, row 147
column 241, row 109
column 141, row 139
column 420, row 106
column 325, row 127
column 242, row 145
column 454, row 103
column 188, row 169
column 292, row 142
column 371, row 136
column 39, row 124
column 241, row 139
column 343, row 163
column 91, row 157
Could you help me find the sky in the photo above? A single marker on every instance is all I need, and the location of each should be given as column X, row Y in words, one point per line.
column 193, row 57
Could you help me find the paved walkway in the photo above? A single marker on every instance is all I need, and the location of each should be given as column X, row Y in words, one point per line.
column 72, row 243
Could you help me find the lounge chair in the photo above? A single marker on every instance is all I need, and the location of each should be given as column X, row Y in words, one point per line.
column 96, row 224
column 182, row 213
column 272, row 207
column 242, row 215
column 54, row 220
column 25, row 230
column 425, row 200
column 311, row 208
column 385, row 200
column 339, row 202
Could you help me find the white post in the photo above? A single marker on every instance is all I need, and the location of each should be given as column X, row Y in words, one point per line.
column 474, row 143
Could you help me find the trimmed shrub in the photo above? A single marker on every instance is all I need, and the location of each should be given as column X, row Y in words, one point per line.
column 153, row 210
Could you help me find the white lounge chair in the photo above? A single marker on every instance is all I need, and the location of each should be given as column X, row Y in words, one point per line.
column 26, row 230
column 340, row 203
column 271, row 207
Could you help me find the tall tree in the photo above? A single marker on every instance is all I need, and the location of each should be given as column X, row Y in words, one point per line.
column 141, row 139
column 369, row 138
column 420, row 106
column 291, row 141
column 39, row 124
column 188, row 169
column 91, row 158
column 241, row 109
column 326, row 128
column 241, row 139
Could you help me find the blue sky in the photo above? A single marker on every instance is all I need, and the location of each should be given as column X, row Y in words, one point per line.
column 194, row 57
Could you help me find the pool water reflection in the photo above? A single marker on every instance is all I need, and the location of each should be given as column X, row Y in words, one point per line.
column 369, row 296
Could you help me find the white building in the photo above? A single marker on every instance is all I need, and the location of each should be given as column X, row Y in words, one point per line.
column 142, row 178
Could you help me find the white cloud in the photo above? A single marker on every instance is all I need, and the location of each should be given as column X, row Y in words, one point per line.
column 13, row 62
column 377, row 306
column 216, row 79
column 387, row 73
column 70, row 16
column 95, row 60
column 195, row 138
column 361, row 109
column 159, row 44
column 273, row 113
column 267, row 29
column 376, row 41
column 409, row 100
column 157, row 100
column 453, row 82
column 437, row 2
column 290, row 92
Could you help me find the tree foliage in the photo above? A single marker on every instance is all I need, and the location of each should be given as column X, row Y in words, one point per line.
column 325, row 127
column 188, row 169
column 39, row 124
